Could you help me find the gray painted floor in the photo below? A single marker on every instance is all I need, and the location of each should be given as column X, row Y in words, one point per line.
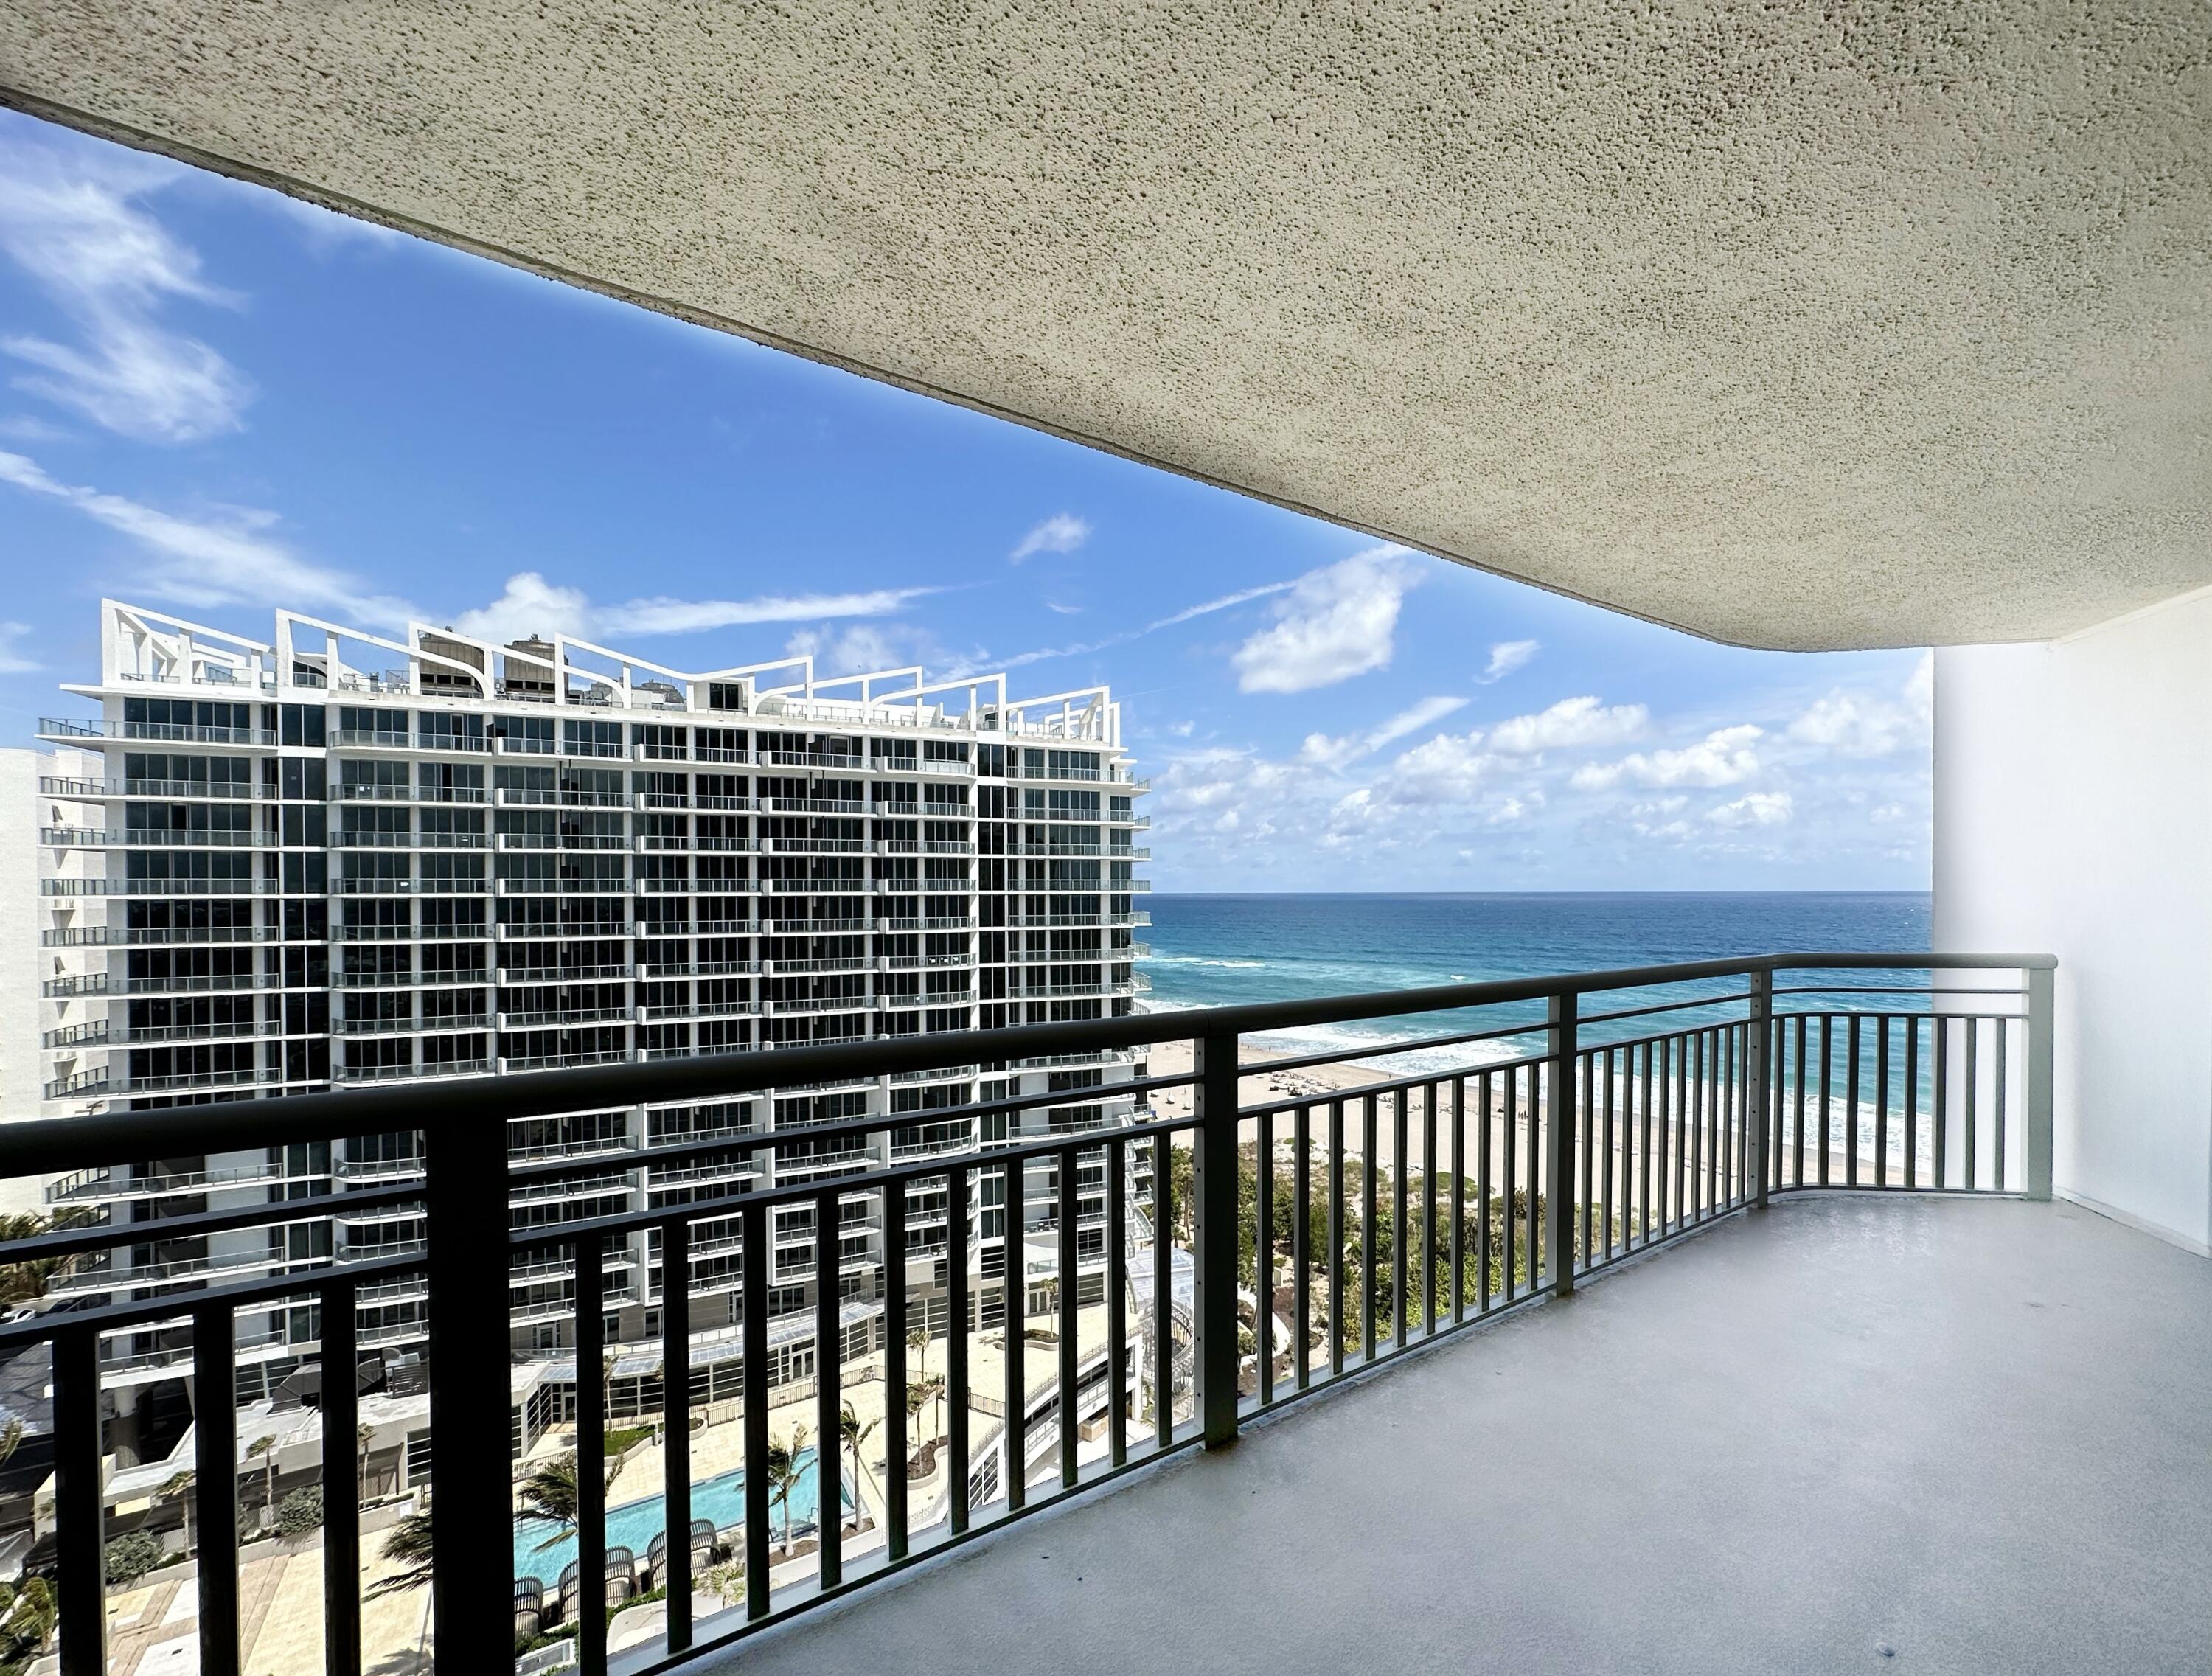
column 1976, row 1434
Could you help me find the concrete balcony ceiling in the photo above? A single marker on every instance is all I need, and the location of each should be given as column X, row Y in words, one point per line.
column 1790, row 326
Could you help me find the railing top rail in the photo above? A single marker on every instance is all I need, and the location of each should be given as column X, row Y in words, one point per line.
column 223, row 1125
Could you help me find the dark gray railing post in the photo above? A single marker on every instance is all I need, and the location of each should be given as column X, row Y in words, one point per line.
column 1561, row 1044
column 1760, row 1108
column 1214, row 1217
column 472, row 1482
column 79, row 1593
column 2042, row 1010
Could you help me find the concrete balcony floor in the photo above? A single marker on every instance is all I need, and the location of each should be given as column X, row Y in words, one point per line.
column 1849, row 1434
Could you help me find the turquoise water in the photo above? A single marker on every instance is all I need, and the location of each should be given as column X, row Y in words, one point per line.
column 632, row 1524
column 1218, row 950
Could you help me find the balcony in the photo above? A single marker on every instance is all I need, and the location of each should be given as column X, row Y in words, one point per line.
column 1862, row 1306
column 1880, row 1366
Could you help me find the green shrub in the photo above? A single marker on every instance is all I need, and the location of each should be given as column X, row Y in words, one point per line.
column 301, row 1511
column 621, row 1437
column 132, row 1556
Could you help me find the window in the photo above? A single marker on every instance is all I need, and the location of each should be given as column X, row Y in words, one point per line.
column 531, row 735
column 437, row 730
column 303, row 724
column 358, row 725
column 592, row 739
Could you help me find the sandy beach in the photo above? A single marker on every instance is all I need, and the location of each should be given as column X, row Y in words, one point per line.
column 1261, row 1086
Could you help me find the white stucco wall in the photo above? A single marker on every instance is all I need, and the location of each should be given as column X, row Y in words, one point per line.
column 2073, row 814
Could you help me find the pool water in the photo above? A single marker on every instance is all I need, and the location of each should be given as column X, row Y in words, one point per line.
column 632, row 1524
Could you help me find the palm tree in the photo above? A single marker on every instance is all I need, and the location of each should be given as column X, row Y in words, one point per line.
column 177, row 1489
column 918, row 1342
column 933, row 1386
column 408, row 1544
column 363, row 1436
column 784, row 1475
column 549, row 1491
column 917, row 1399
column 27, row 1282
column 853, row 1435
column 265, row 1450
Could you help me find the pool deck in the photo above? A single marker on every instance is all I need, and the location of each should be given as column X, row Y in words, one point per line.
column 1845, row 1434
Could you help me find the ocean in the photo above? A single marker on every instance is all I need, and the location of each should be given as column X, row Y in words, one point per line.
column 1210, row 950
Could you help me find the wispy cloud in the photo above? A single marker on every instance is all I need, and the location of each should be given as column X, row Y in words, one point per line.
column 1506, row 656
column 664, row 615
column 74, row 223
column 12, row 660
column 1245, row 596
column 1725, row 756
column 1084, row 648
column 1753, row 809
column 1063, row 532
column 325, row 230
column 1338, row 622
column 1335, row 753
column 232, row 558
column 530, row 605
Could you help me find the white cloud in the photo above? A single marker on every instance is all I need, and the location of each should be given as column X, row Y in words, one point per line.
column 1336, row 622
column 1242, row 596
column 1753, row 809
column 982, row 661
column 12, row 660
column 1513, row 809
column 73, row 223
column 1063, row 611
column 861, row 649
column 1319, row 748
column 1063, row 532
column 1725, row 756
column 325, row 229
column 1886, row 813
column 663, row 616
column 1449, row 768
column 1506, row 656
column 1584, row 722
column 528, row 604
column 1867, row 725
column 230, row 560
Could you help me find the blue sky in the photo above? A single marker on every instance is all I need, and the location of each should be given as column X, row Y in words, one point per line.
column 218, row 399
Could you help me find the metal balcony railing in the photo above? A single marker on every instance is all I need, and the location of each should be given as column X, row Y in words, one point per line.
column 1553, row 1128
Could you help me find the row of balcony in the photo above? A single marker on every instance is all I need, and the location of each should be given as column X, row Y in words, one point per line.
column 199, row 936
column 113, row 1081
column 118, row 1032
column 164, row 838
column 612, row 885
column 523, row 797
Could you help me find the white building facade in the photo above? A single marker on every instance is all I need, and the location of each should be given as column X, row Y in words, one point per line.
column 335, row 859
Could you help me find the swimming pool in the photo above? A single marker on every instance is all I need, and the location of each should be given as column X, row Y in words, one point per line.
column 632, row 1524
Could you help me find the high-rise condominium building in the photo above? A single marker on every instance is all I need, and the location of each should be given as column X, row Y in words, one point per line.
column 337, row 859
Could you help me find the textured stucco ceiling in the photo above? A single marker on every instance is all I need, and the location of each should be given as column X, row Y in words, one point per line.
column 1797, row 325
